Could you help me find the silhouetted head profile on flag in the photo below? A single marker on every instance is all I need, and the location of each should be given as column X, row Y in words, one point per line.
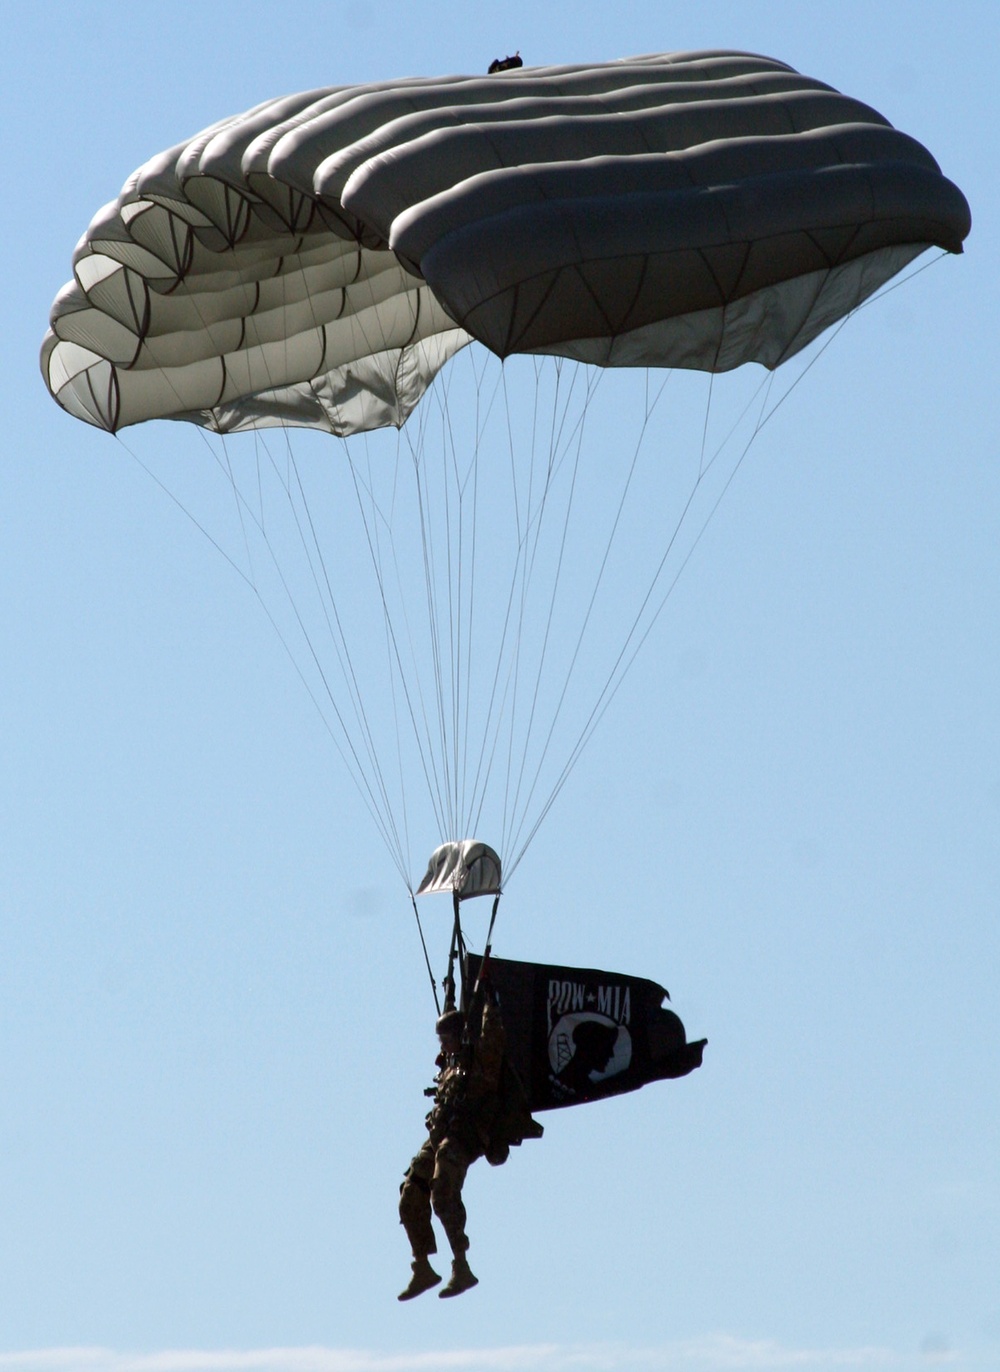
column 594, row 1043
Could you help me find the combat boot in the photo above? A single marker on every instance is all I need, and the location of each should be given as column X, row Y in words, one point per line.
column 424, row 1277
column 462, row 1277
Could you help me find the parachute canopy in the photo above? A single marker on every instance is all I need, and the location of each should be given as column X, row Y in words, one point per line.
column 318, row 259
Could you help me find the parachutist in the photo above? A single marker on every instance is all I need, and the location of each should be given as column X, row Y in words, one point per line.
column 465, row 1098
column 504, row 64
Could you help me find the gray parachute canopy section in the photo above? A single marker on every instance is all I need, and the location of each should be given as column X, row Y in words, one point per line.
column 317, row 260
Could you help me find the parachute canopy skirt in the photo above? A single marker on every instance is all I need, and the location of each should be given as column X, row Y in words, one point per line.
column 318, row 259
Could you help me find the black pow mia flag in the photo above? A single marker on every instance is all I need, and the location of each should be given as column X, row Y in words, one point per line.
column 576, row 1034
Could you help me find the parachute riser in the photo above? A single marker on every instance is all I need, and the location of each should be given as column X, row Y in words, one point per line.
column 467, row 997
column 457, row 950
column 470, row 1001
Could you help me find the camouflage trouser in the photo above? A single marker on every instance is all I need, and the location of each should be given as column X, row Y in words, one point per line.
column 435, row 1177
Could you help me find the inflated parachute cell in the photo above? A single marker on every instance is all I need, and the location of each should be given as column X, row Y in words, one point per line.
column 317, row 260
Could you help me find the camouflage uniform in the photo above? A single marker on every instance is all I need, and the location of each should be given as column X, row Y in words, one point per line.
column 465, row 1100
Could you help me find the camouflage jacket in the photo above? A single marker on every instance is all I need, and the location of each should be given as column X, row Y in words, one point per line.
column 466, row 1088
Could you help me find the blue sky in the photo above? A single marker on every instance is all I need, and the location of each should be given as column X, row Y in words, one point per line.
column 214, row 1021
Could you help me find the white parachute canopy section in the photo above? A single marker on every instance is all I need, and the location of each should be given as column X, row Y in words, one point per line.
column 466, row 868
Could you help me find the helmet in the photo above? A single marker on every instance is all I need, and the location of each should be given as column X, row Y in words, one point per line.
column 452, row 1022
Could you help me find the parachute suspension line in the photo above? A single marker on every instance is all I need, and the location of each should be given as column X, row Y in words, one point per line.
column 313, row 551
column 463, row 585
column 895, row 284
column 649, row 408
column 441, row 633
column 373, row 780
column 573, row 442
column 842, row 323
column 391, row 673
column 704, row 429
column 425, row 508
column 371, row 520
column 435, row 778
column 630, row 649
column 527, row 521
column 260, row 477
column 445, row 782
column 576, row 437
column 449, row 704
column 467, row 621
column 470, row 811
column 371, row 524
column 313, row 548
column 380, row 808
column 494, row 715
column 482, row 420
column 353, row 769
column 459, row 477
column 290, row 482
column 449, row 460
column 461, row 594
column 637, row 635
column 430, row 575
column 420, row 451
column 188, row 514
column 230, row 475
column 439, row 786
column 436, row 463
column 501, row 716
column 258, row 519
column 523, row 576
column 618, row 670
column 457, row 562
column 583, row 627
column 427, row 961
column 766, row 418
column 250, row 578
